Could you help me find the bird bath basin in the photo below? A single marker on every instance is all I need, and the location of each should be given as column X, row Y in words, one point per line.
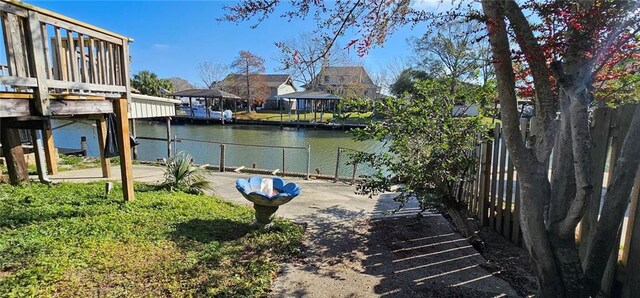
column 267, row 194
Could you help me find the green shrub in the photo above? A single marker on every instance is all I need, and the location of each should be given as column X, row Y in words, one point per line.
column 180, row 174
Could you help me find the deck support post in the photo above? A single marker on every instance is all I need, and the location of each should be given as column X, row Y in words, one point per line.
column 38, row 152
column 122, row 136
column 101, row 125
column 14, row 154
column 51, row 156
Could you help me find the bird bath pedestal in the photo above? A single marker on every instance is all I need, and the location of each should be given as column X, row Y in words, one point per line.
column 267, row 194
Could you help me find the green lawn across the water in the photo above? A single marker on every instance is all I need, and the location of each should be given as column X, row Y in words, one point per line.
column 67, row 240
column 267, row 115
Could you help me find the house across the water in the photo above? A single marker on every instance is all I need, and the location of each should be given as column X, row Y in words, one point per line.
column 264, row 88
column 345, row 81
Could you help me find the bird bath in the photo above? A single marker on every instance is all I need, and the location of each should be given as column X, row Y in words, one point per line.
column 267, row 194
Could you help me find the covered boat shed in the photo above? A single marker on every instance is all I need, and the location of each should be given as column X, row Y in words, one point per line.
column 310, row 99
column 209, row 96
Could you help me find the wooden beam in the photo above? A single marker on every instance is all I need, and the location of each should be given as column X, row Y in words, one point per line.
column 101, row 125
column 38, row 152
column 38, row 63
column 16, row 56
column 25, row 124
column 86, row 86
column 50, row 153
column 20, row 7
column 14, row 154
column 122, row 137
column 121, row 110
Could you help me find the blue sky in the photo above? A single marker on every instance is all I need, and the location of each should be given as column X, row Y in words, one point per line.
column 173, row 37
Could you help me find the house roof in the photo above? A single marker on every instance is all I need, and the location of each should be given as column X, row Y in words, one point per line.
column 350, row 71
column 319, row 95
column 207, row 93
column 272, row 80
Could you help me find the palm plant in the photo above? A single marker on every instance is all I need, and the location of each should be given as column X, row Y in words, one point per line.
column 181, row 175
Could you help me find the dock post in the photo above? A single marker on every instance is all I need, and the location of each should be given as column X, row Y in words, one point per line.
column 283, row 171
column 298, row 117
column 222, row 110
column 308, row 160
column 83, row 145
column 222, row 147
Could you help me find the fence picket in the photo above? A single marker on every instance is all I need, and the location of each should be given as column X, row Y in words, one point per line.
column 494, row 175
column 600, row 143
column 508, row 212
column 501, row 183
column 485, row 168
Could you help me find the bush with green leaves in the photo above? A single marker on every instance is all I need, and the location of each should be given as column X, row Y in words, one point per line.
column 182, row 175
column 429, row 151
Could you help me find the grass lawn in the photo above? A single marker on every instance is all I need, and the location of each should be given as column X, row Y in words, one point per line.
column 67, row 240
column 275, row 116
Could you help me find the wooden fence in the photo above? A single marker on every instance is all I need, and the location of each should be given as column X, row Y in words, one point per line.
column 492, row 193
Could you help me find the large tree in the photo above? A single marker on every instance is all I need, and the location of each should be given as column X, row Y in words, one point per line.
column 305, row 55
column 561, row 49
column 211, row 73
column 247, row 65
column 450, row 52
column 564, row 63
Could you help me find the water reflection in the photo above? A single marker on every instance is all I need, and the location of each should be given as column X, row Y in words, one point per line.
column 324, row 144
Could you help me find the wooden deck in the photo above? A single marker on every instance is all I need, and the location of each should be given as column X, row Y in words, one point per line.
column 60, row 67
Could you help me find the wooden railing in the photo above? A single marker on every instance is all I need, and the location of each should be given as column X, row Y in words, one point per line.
column 50, row 53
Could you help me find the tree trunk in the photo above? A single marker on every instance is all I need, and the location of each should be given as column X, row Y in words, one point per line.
column 249, row 103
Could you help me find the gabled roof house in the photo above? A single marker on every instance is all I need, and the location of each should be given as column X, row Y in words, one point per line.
column 345, row 81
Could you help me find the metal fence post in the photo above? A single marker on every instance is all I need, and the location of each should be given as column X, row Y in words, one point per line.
column 283, row 162
column 175, row 144
column 308, row 160
column 222, row 147
column 353, row 175
column 335, row 179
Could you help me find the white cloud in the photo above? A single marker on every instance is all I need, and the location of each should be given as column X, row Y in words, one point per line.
column 161, row 46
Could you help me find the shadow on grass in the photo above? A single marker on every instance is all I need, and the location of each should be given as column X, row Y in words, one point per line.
column 209, row 230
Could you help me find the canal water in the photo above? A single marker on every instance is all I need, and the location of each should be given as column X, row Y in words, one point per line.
column 323, row 143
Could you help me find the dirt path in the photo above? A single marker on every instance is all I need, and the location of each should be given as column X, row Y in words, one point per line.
column 355, row 248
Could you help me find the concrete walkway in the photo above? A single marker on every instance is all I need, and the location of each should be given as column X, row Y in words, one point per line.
column 355, row 248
